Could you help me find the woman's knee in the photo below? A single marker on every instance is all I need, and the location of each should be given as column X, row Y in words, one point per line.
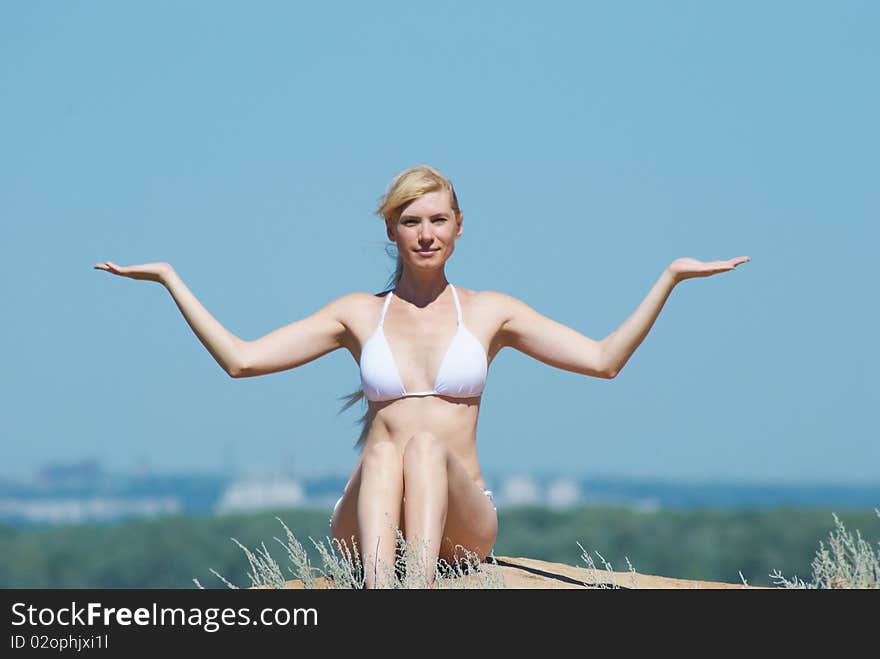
column 384, row 455
column 423, row 447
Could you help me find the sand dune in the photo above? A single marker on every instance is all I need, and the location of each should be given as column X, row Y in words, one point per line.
column 530, row 573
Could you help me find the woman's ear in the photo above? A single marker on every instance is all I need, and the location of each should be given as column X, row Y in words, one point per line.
column 389, row 232
column 460, row 225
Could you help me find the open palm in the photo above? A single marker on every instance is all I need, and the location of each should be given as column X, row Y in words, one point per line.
column 146, row 271
column 687, row 268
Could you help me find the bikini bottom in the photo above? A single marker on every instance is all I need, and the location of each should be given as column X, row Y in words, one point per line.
column 488, row 493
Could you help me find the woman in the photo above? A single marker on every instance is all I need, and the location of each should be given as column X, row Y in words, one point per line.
column 423, row 349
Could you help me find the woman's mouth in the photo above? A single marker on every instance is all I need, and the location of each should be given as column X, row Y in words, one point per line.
column 426, row 252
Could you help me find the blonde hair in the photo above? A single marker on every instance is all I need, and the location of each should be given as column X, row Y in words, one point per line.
column 405, row 188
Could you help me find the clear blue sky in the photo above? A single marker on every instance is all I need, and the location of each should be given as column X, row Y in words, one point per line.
column 590, row 144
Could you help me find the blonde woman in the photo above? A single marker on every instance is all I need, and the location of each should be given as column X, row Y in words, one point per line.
column 423, row 349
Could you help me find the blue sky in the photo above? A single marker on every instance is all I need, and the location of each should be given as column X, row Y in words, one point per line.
column 590, row 145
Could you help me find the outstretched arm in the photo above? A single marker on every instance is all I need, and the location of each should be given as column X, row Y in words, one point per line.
column 546, row 340
column 619, row 346
column 224, row 346
column 555, row 344
column 283, row 349
column 280, row 350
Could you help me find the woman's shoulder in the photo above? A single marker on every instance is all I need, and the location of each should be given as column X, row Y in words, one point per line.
column 360, row 298
column 357, row 304
column 364, row 297
column 487, row 297
column 490, row 300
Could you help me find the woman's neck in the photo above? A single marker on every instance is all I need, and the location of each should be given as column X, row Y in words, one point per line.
column 419, row 288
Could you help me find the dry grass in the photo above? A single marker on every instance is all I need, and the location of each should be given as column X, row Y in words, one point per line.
column 847, row 562
column 593, row 570
column 342, row 569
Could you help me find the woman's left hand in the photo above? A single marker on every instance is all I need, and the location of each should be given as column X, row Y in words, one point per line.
column 687, row 268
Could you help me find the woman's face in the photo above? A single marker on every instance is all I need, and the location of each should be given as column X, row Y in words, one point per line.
column 426, row 232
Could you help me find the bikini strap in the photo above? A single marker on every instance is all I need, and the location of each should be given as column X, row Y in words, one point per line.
column 385, row 308
column 457, row 305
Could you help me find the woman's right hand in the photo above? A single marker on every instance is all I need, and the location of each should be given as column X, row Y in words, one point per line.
column 158, row 272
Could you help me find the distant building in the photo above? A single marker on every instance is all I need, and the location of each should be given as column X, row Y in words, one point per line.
column 253, row 494
column 563, row 493
column 519, row 491
column 85, row 509
column 70, row 474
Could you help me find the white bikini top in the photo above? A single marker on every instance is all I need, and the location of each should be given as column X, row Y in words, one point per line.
column 462, row 372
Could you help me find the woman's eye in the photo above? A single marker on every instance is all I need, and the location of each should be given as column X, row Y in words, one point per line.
column 409, row 223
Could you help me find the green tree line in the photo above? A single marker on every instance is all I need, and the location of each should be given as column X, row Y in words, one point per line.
column 170, row 552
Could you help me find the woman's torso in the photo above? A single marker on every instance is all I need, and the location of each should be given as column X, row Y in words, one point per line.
column 419, row 340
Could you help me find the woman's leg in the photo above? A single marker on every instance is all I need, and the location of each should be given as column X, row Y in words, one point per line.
column 370, row 511
column 443, row 507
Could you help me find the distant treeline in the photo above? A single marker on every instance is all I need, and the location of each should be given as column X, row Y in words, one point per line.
column 169, row 552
